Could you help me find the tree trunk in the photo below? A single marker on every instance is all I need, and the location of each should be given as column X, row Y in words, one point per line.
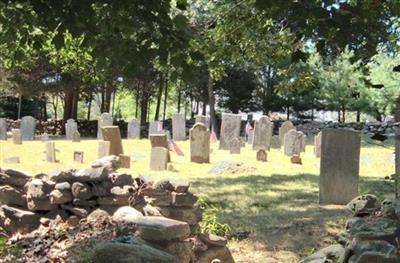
column 210, row 87
column 165, row 97
column 144, row 105
column 19, row 106
column 397, row 150
column 159, row 97
column 137, row 102
column 102, row 92
column 358, row 116
column 287, row 112
column 55, row 106
column 89, row 106
column 344, row 114
column 338, row 114
column 71, row 102
column 113, row 102
column 204, row 112
column 107, row 97
column 179, row 96
column 197, row 107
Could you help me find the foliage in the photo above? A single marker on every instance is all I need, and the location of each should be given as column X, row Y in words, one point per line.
column 7, row 249
column 210, row 223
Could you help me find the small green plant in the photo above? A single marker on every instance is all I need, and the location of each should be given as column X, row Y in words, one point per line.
column 210, row 223
column 7, row 249
column 86, row 256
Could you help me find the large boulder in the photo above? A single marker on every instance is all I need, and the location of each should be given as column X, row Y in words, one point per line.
column 18, row 220
column 97, row 174
column 362, row 205
column 11, row 196
column 155, row 228
column 60, row 196
column 81, row 191
column 14, row 177
column 127, row 214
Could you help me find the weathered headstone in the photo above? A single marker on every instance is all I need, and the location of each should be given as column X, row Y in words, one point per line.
column 158, row 159
column 76, row 136
column 199, row 143
column 293, row 141
column 285, row 127
column 203, row 119
column 160, row 140
column 155, row 127
column 28, row 125
column 261, row 155
column 113, row 135
column 16, row 136
column 124, row 161
column 275, row 142
column 178, row 127
column 317, row 145
column 339, row 169
column 296, row 159
column 133, row 129
column 70, row 127
column 50, row 151
column 234, row 146
column 104, row 149
column 250, row 136
column 230, row 129
column 263, row 129
column 44, row 137
column 78, row 156
column 13, row 159
column 303, row 141
column 3, row 129
column 105, row 119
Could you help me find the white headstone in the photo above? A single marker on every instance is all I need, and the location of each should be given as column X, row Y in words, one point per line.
column 16, row 136
column 44, row 137
column 263, row 130
column 285, row 127
column 104, row 149
column 50, row 152
column 105, row 119
column 133, row 129
column 155, row 127
column 3, row 129
column 28, row 125
column 70, row 127
column 317, row 145
column 158, row 159
column 178, row 127
column 199, row 144
column 293, row 142
column 230, row 129
column 203, row 119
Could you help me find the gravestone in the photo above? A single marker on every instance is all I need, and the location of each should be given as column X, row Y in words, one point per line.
column 44, row 137
column 28, row 125
column 250, row 136
column 76, row 136
column 261, row 155
column 50, row 151
column 160, row 140
column 104, row 149
column 105, row 120
column 133, row 129
column 155, row 127
column 16, row 136
column 199, row 143
column 78, row 156
column 235, row 145
column 158, row 159
column 296, row 159
column 275, row 142
column 124, row 161
column 230, row 129
column 317, row 145
column 113, row 135
column 178, row 127
column 3, row 129
column 13, row 159
column 263, row 129
column 339, row 169
column 293, row 141
column 285, row 128
column 203, row 119
column 70, row 127
column 303, row 142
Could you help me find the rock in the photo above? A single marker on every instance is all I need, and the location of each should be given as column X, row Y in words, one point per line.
column 60, row 175
column 38, row 189
column 261, row 155
column 296, row 159
column 97, row 215
column 189, row 215
column 63, row 186
column 97, row 174
column 221, row 253
column 11, row 196
column 78, row 211
column 373, row 251
column 214, row 240
column 150, row 210
column 19, row 220
column 113, row 200
column 157, row 197
column 73, row 221
column 53, row 214
column 183, row 199
column 39, row 204
column 362, row 205
column 119, row 179
column 332, row 253
column 84, row 203
column 197, row 244
column 81, row 191
column 60, row 196
column 155, row 228
column 14, row 177
column 102, row 189
column 225, row 166
column 126, row 214
column 182, row 250
column 110, row 162
column 180, row 186
column 123, row 191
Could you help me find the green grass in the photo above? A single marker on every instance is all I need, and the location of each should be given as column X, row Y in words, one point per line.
column 274, row 205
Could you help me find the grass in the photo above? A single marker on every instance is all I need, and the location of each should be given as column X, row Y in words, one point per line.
column 274, row 206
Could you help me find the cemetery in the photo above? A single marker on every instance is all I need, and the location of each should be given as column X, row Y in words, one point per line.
column 183, row 131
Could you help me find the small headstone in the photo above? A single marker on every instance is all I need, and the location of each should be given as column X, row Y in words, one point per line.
column 155, row 127
column 104, row 149
column 285, row 128
column 340, row 163
column 203, row 119
column 317, row 145
column 230, row 129
column 133, row 129
column 160, row 140
column 250, row 136
column 170, row 167
column 124, row 161
column 261, row 155
column 3, row 129
column 296, row 159
column 113, row 135
column 16, row 136
column 234, row 147
column 199, row 143
column 105, row 119
column 158, row 159
column 275, row 142
column 50, row 152
column 76, row 136
column 178, row 127
column 13, row 159
column 70, row 127
column 44, row 137
column 28, row 125
column 293, row 141
column 263, row 129
column 303, row 141
column 78, row 156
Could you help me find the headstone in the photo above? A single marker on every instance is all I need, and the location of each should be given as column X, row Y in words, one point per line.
column 105, row 120
column 303, row 142
column 230, row 129
column 3, row 129
column 199, row 143
column 203, row 119
column 261, row 155
column 44, row 137
column 104, row 149
column 178, row 127
column 263, row 129
column 50, row 152
column 13, row 159
column 339, row 169
column 78, row 156
column 275, row 142
column 133, row 129
column 250, row 136
column 293, row 141
column 296, row 159
column 234, row 146
column 155, row 127
column 28, row 125
column 317, row 145
column 76, row 136
column 124, row 161
column 285, row 127
column 158, row 159
column 16, row 136
column 70, row 127
column 160, row 140
column 113, row 135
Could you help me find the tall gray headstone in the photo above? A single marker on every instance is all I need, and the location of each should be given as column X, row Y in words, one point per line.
column 105, row 119
column 70, row 127
column 16, row 136
column 235, row 145
column 178, row 127
column 230, row 129
column 133, row 129
column 203, row 119
column 263, row 129
column 50, row 150
column 250, row 136
column 293, row 142
column 339, row 169
column 303, row 142
column 3, row 129
column 199, row 144
column 158, row 159
column 275, row 142
column 285, row 127
column 28, row 125
column 155, row 127
column 317, row 145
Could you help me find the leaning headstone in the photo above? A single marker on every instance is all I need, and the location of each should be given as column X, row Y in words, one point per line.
column 44, row 137
column 28, row 125
column 50, row 152
column 113, row 135
column 78, row 156
column 230, row 129
column 76, row 136
column 339, row 169
column 133, row 129
column 124, row 161
column 317, row 145
column 178, row 127
column 275, row 142
column 16, row 136
column 263, row 129
column 203, row 119
column 293, row 141
column 285, row 128
column 70, row 127
column 105, row 119
column 13, row 159
column 199, row 144
column 234, row 146
column 158, row 159
column 104, row 149
column 3, row 129
column 261, row 155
